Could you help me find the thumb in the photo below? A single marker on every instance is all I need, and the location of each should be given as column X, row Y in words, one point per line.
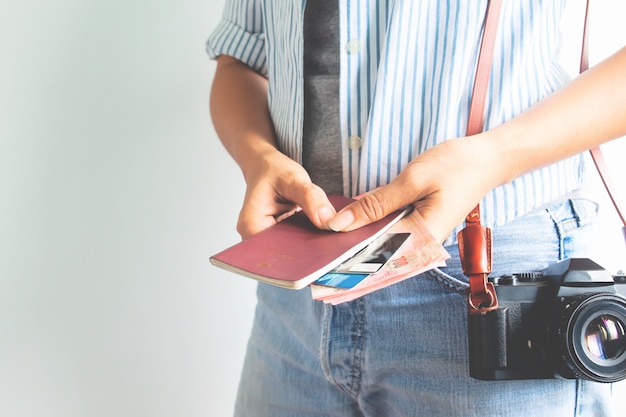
column 369, row 208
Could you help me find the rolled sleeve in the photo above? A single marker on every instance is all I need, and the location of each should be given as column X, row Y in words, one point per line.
column 246, row 45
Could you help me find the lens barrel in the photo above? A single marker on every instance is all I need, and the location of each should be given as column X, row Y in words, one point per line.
column 591, row 336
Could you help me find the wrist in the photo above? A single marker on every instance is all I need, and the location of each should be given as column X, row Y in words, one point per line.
column 255, row 158
column 504, row 155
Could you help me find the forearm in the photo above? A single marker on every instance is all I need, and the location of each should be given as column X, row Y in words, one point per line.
column 446, row 181
column 240, row 113
column 275, row 184
column 586, row 113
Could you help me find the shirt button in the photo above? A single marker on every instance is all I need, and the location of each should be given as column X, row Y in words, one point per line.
column 353, row 46
column 355, row 142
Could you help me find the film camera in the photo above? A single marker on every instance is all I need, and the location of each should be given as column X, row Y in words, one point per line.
column 567, row 321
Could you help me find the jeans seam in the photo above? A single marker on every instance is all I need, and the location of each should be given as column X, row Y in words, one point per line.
column 353, row 385
column 357, row 357
column 559, row 232
column 324, row 350
column 447, row 281
column 577, row 405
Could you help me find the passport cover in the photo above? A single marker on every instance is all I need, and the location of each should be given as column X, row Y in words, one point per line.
column 293, row 253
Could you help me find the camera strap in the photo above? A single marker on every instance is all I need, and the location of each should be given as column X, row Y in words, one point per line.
column 596, row 153
column 475, row 242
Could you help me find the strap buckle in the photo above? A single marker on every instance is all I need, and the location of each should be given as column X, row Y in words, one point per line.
column 475, row 246
column 482, row 301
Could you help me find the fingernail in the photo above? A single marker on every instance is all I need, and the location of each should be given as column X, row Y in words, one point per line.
column 325, row 214
column 341, row 221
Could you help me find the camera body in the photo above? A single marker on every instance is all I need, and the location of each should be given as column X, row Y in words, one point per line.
column 567, row 321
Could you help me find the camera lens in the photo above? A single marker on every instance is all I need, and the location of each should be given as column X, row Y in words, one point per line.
column 593, row 336
column 605, row 338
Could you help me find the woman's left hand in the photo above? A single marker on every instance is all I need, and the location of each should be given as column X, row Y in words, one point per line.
column 444, row 184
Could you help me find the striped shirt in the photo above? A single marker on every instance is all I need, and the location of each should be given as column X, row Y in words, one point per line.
column 407, row 69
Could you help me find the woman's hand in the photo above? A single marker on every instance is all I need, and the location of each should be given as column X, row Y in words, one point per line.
column 276, row 186
column 275, row 183
column 444, row 184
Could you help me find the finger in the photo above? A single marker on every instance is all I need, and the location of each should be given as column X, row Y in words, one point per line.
column 436, row 219
column 256, row 217
column 249, row 225
column 371, row 207
column 313, row 201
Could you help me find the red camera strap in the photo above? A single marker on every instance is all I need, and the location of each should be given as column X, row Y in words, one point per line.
column 475, row 243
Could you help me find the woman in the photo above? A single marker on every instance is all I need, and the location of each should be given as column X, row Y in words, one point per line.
column 369, row 96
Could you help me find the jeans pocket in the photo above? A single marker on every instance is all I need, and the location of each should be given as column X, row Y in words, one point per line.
column 575, row 222
column 531, row 242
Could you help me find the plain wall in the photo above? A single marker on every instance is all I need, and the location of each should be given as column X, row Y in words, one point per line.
column 114, row 192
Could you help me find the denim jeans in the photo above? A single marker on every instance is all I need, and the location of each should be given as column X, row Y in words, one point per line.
column 402, row 351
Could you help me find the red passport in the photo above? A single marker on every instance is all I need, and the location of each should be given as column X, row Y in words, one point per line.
column 294, row 253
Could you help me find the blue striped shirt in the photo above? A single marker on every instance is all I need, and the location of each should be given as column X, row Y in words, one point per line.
column 407, row 69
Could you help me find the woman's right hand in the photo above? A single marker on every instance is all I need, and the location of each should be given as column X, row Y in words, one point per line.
column 276, row 185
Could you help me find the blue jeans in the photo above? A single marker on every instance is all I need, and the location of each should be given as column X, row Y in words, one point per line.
column 402, row 351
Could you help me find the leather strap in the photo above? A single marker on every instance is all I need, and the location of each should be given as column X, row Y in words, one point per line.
column 475, row 244
column 596, row 153
column 598, row 160
column 483, row 69
column 475, row 239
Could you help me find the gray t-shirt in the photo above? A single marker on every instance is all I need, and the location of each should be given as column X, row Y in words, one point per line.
column 321, row 147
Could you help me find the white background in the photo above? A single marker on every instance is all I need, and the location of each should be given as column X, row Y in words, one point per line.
column 114, row 192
